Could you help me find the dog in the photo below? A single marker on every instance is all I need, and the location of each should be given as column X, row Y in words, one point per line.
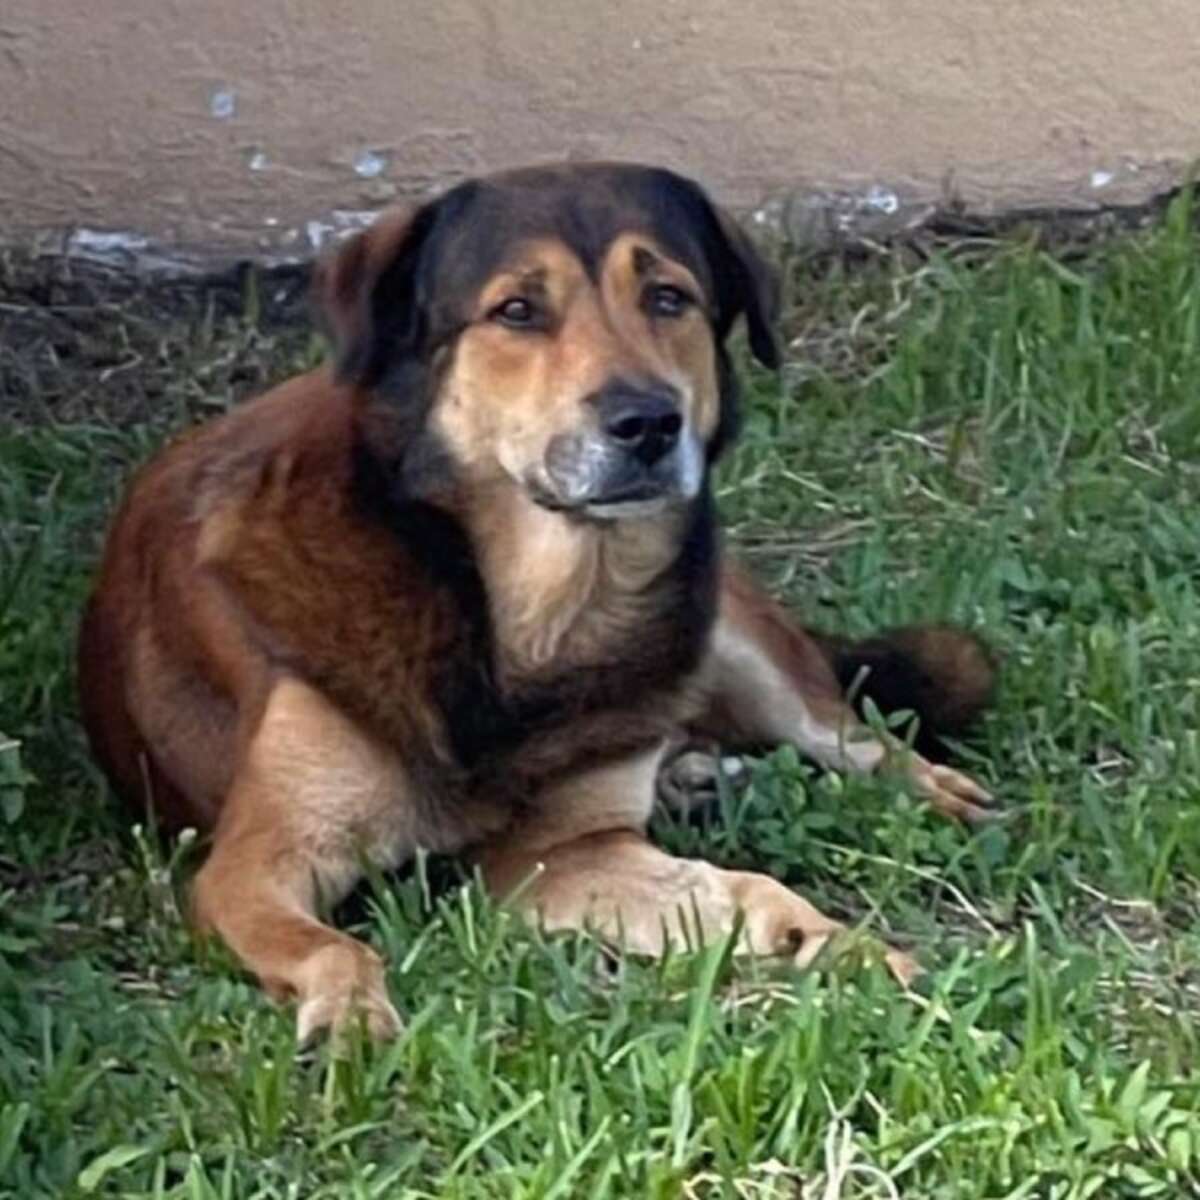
column 462, row 588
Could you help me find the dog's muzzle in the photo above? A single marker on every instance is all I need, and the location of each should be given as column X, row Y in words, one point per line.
column 638, row 458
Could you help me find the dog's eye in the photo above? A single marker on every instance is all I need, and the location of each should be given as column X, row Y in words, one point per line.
column 666, row 300
column 515, row 313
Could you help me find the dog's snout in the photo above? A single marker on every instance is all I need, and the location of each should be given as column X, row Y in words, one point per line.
column 644, row 422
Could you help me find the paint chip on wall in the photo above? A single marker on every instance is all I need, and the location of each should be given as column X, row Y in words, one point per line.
column 369, row 165
column 223, row 103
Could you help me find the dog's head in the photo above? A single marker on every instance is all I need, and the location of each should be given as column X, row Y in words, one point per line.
column 560, row 328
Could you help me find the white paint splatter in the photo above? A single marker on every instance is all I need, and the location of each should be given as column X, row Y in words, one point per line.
column 103, row 242
column 337, row 224
column 1101, row 178
column 353, row 218
column 882, row 199
column 223, row 103
column 317, row 231
column 369, row 165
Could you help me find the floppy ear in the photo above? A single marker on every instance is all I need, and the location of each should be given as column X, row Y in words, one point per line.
column 747, row 284
column 367, row 295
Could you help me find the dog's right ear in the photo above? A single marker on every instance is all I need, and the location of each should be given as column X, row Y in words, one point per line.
column 754, row 290
column 366, row 290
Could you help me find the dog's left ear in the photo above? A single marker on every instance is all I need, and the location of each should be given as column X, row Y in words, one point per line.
column 366, row 290
column 747, row 284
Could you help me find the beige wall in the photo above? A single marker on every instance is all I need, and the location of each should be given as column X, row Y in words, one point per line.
column 216, row 122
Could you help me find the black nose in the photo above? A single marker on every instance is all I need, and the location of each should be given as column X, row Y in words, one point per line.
column 644, row 422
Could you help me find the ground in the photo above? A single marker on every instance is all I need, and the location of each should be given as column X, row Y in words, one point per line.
column 984, row 430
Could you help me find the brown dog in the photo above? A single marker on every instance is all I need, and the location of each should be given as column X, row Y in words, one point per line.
column 461, row 590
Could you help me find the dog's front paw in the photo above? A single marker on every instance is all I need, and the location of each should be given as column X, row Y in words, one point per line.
column 778, row 921
column 345, row 986
column 951, row 792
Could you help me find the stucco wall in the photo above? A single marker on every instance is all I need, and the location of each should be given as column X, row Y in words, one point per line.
column 236, row 122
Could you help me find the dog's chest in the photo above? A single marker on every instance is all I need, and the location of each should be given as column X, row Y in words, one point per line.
column 619, row 679
column 411, row 645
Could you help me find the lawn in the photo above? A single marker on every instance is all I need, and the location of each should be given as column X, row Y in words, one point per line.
column 991, row 432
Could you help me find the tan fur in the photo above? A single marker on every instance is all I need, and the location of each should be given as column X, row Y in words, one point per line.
column 313, row 799
column 581, row 860
column 506, row 394
column 776, row 685
column 558, row 587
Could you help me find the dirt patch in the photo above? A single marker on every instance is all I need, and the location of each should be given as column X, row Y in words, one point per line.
column 83, row 339
column 86, row 341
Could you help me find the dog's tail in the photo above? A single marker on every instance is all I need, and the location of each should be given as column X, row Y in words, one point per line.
column 944, row 675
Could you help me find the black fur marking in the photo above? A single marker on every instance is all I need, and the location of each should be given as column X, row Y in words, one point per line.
column 893, row 672
column 729, row 415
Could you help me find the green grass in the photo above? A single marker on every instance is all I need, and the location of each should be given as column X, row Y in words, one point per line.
column 992, row 436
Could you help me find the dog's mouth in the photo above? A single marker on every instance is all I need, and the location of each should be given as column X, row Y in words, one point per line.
column 627, row 504
column 630, row 507
column 581, row 478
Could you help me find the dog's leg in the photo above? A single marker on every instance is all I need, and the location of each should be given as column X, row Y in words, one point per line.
column 311, row 799
column 582, row 861
column 771, row 682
